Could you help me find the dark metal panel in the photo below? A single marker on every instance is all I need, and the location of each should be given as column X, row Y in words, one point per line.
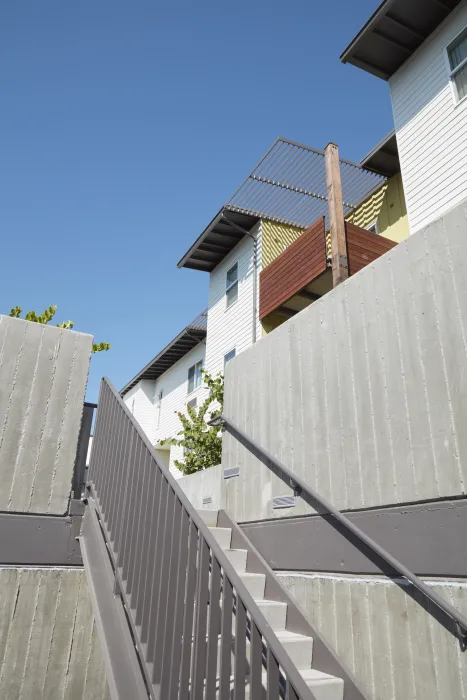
column 82, row 451
column 429, row 536
column 39, row 540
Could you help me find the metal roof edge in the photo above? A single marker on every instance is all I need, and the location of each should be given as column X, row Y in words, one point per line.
column 380, row 10
column 187, row 331
column 200, row 238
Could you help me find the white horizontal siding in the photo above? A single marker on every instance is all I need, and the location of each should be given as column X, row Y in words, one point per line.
column 162, row 423
column 139, row 401
column 431, row 130
column 232, row 328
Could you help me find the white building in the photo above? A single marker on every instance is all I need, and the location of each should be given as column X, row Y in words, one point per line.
column 420, row 48
column 166, row 385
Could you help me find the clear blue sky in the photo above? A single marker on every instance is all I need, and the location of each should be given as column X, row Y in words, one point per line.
column 125, row 125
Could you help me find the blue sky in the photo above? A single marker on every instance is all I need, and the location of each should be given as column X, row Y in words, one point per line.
column 126, row 125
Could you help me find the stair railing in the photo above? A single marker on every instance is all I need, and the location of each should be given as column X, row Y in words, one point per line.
column 176, row 583
column 454, row 621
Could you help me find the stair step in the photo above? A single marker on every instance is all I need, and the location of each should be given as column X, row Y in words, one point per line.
column 323, row 686
column 209, row 516
column 255, row 583
column 298, row 646
column 275, row 613
column 237, row 558
column 223, row 535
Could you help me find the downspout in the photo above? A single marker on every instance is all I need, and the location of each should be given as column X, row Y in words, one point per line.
column 255, row 270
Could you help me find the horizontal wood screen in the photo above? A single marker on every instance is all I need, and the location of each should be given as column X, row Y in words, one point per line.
column 363, row 247
column 296, row 267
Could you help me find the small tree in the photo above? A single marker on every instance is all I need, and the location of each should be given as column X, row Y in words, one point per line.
column 202, row 442
column 47, row 316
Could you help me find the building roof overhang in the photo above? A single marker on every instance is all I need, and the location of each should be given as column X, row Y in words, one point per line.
column 185, row 341
column 394, row 32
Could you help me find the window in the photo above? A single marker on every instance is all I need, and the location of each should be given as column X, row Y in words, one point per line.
column 194, row 376
column 230, row 356
column 231, row 285
column 457, row 56
column 192, row 403
column 373, row 228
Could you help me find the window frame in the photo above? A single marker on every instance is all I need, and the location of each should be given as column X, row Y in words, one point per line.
column 226, row 362
column 453, row 71
column 374, row 224
column 229, row 287
column 197, row 377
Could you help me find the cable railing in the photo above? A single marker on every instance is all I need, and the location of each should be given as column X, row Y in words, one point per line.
column 444, row 612
column 196, row 628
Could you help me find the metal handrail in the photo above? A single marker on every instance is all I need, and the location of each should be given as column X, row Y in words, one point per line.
column 456, row 622
column 121, row 451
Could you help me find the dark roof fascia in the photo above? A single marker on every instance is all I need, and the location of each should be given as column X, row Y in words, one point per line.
column 392, row 35
column 198, row 335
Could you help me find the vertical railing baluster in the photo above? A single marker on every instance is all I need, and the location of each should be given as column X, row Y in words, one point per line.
column 272, row 692
column 133, row 508
column 138, row 574
column 170, row 609
column 240, row 673
column 152, row 588
column 214, row 627
column 199, row 651
column 180, row 603
column 226, row 639
column 164, row 631
column 158, row 554
column 125, row 452
column 190, row 596
column 256, row 661
column 144, row 608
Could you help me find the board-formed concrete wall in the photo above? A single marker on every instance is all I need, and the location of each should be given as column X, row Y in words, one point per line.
column 395, row 649
column 43, row 375
column 49, row 649
column 364, row 393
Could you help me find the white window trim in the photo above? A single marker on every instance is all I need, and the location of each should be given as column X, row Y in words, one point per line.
column 375, row 224
column 451, row 72
column 228, row 307
column 195, row 388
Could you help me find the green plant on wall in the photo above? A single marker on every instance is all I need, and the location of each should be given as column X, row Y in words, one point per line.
column 46, row 317
column 202, row 443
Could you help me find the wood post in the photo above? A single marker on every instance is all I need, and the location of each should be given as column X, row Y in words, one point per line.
column 340, row 265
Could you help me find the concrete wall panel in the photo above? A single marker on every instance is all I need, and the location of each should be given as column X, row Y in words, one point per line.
column 43, row 375
column 396, row 650
column 48, row 642
column 363, row 393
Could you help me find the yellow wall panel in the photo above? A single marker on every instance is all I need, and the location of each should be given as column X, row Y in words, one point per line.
column 275, row 239
column 387, row 207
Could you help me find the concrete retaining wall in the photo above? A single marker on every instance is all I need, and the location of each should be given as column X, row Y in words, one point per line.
column 207, row 484
column 43, row 375
column 393, row 647
column 49, row 648
column 364, row 393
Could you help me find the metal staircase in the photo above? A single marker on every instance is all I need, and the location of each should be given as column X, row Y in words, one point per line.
column 186, row 609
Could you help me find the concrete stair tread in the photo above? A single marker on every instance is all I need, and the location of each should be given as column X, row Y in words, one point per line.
column 237, row 558
column 209, row 516
column 223, row 536
column 324, row 686
column 255, row 583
